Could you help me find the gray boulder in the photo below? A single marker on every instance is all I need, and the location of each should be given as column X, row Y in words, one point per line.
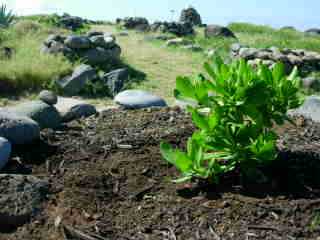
column 48, row 97
column 94, row 33
column 218, row 31
column 115, row 80
column 83, row 110
column 77, row 42
column 136, row 99
column 313, row 31
column 310, row 109
column 100, row 55
column 72, row 23
column 21, row 198
column 137, row 23
column 103, row 41
column 5, row 151
column 311, row 83
column 18, row 129
column 54, row 38
column 56, row 48
column 73, row 84
column 44, row 114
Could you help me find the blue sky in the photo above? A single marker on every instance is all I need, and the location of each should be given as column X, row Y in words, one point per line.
column 299, row 13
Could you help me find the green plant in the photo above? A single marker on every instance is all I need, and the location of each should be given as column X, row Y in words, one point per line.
column 315, row 223
column 97, row 88
column 237, row 107
column 6, row 17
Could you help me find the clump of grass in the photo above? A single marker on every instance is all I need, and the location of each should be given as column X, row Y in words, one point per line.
column 28, row 68
column 250, row 28
column 25, row 27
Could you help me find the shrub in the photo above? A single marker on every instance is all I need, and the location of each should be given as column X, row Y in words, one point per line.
column 235, row 131
column 6, row 17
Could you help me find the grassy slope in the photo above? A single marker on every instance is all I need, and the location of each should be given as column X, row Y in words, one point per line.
column 28, row 69
column 160, row 64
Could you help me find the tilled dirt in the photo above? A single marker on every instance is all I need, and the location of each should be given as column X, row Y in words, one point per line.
column 109, row 181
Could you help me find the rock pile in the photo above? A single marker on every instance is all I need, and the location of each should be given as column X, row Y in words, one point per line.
column 95, row 48
column 313, row 31
column 306, row 61
column 218, row 31
column 72, row 23
column 191, row 15
column 67, row 21
column 135, row 23
column 179, row 29
column 114, row 81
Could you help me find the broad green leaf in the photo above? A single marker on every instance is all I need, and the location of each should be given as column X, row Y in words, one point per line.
column 185, row 87
column 278, row 71
column 199, row 120
column 168, row 153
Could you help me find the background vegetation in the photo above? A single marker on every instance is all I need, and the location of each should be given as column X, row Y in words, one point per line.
column 29, row 70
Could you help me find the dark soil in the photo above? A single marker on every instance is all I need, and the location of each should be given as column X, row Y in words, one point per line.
column 109, row 181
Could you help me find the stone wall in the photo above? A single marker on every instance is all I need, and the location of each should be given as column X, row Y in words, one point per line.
column 176, row 28
column 191, row 15
column 306, row 61
column 95, row 48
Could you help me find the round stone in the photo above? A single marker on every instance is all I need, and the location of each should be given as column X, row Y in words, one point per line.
column 44, row 114
column 136, row 99
column 48, row 97
column 21, row 198
column 18, row 129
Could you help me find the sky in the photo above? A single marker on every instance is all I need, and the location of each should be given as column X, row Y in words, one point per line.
column 301, row 14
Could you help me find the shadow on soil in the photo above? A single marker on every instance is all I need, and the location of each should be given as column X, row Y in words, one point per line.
column 293, row 175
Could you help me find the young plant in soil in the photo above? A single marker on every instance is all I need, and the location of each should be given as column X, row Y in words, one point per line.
column 236, row 109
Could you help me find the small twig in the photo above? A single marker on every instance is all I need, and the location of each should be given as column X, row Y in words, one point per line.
column 140, row 194
column 124, row 146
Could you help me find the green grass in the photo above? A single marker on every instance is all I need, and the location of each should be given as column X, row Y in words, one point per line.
column 265, row 36
column 259, row 36
column 29, row 69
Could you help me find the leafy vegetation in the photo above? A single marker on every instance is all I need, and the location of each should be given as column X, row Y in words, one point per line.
column 235, row 130
column 6, row 17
